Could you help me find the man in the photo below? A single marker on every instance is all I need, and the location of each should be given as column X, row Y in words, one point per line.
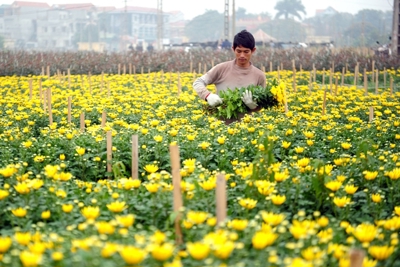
column 237, row 73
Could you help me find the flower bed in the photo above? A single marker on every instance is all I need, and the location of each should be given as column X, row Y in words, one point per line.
column 303, row 186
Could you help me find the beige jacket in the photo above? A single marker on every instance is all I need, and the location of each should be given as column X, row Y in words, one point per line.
column 228, row 75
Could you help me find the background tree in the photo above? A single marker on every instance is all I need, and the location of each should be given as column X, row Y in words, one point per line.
column 374, row 24
column 1, row 42
column 87, row 33
column 362, row 34
column 331, row 25
column 290, row 7
column 206, row 27
column 285, row 30
column 241, row 13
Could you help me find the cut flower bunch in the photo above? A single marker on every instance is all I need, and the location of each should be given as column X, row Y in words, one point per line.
column 270, row 96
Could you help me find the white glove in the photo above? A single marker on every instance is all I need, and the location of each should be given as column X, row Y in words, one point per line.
column 214, row 100
column 248, row 100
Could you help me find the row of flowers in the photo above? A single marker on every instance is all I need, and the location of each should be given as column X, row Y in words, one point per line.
column 303, row 186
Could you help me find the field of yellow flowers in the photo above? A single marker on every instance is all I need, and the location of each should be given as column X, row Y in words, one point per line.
column 304, row 185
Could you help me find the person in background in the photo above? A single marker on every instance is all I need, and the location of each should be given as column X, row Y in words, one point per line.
column 236, row 73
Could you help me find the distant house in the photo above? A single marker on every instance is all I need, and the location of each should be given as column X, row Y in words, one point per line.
column 20, row 21
column 71, row 26
column 250, row 24
column 261, row 36
column 325, row 12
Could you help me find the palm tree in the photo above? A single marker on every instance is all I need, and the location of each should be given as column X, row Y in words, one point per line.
column 289, row 7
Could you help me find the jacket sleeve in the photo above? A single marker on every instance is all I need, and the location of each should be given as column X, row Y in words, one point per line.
column 200, row 86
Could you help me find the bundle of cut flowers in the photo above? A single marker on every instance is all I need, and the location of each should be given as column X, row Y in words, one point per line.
column 272, row 95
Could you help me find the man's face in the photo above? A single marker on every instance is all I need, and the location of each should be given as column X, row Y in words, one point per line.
column 243, row 55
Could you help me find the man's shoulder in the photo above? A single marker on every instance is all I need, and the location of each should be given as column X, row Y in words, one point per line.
column 225, row 64
column 257, row 70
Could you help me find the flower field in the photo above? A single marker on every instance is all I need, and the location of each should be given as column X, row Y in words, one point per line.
column 305, row 183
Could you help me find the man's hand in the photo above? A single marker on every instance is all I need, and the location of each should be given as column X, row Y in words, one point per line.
column 214, row 100
column 248, row 100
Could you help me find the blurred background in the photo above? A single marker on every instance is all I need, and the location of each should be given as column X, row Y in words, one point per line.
column 129, row 25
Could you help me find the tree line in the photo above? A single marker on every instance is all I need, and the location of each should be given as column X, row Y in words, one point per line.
column 364, row 28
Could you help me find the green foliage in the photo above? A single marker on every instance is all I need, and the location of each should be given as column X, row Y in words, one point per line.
column 289, row 7
column 285, row 30
column 203, row 28
column 233, row 106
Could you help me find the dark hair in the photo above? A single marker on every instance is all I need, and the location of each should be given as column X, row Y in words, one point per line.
column 245, row 39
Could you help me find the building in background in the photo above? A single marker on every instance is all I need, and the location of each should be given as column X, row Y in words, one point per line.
column 39, row 26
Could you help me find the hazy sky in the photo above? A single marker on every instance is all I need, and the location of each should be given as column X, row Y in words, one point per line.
column 193, row 8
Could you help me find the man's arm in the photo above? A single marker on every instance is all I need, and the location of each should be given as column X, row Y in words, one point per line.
column 200, row 86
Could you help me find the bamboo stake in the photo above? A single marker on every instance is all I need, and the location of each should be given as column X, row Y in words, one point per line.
column 119, row 69
column 212, row 63
column 221, row 198
column 310, row 84
column 336, row 86
column 124, row 69
column 45, row 100
column 130, row 68
column 103, row 119
column 82, row 121
column 373, row 70
column 108, row 88
column 191, row 67
column 199, row 67
column 69, row 109
column 324, row 103
column 330, row 80
column 294, row 80
column 135, row 157
column 49, row 106
column 365, row 82
column 371, row 113
column 342, row 81
column 356, row 258
column 141, row 70
column 376, row 81
column 177, row 194
column 323, row 76
column 270, row 66
column 48, row 71
column 356, row 74
column 109, row 151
